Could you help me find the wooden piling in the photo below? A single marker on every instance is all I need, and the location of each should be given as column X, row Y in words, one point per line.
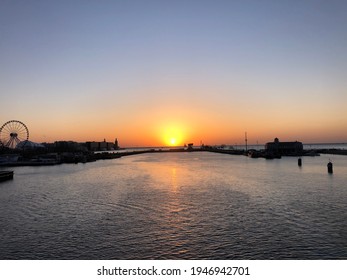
column 330, row 167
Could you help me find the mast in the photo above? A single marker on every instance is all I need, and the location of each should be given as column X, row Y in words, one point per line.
column 246, row 141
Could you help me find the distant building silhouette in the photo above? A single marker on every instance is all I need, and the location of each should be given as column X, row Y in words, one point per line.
column 65, row 146
column 101, row 146
column 284, row 148
column 29, row 145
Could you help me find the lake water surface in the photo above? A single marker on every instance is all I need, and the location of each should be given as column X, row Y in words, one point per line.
column 196, row 205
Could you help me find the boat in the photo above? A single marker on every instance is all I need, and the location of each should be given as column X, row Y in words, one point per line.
column 6, row 175
column 254, row 154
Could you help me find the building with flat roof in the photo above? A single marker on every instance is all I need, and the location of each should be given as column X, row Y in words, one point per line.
column 102, row 146
column 284, row 148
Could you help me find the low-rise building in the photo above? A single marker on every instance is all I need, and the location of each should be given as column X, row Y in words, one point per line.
column 102, row 146
column 284, row 148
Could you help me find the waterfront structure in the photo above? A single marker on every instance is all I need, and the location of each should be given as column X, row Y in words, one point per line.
column 102, row 146
column 67, row 146
column 12, row 133
column 284, row 148
column 190, row 146
column 29, row 145
column 8, row 158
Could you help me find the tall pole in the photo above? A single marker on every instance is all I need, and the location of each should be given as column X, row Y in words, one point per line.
column 246, row 140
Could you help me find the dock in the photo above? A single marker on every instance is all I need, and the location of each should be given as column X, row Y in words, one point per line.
column 6, row 175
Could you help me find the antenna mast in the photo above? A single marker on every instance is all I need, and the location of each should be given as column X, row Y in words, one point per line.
column 246, row 141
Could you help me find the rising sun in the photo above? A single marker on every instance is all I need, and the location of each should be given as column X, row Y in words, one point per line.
column 173, row 141
column 172, row 135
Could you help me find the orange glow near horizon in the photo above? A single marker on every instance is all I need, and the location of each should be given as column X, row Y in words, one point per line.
column 156, row 132
column 169, row 122
column 173, row 136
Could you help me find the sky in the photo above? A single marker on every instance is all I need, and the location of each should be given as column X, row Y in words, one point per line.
column 156, row 73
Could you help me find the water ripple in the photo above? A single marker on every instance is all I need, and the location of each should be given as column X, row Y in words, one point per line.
column 175, row 206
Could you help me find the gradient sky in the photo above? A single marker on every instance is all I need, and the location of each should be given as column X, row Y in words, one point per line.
column 148, row 71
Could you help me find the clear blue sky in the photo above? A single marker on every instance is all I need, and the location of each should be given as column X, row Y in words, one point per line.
column 86, row 70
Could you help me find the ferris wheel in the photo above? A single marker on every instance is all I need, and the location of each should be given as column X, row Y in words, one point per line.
column 12, row 133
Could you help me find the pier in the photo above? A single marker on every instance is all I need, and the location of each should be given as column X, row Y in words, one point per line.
column 84, row 157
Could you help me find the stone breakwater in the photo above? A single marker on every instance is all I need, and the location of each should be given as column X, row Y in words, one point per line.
column 333, row 152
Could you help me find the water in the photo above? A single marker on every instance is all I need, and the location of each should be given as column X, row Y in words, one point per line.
column 177, row 206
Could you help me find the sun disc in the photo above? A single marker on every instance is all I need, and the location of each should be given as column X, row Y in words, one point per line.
column 173, row 136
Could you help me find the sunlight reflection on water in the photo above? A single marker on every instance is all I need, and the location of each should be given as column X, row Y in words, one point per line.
column 177, row 205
